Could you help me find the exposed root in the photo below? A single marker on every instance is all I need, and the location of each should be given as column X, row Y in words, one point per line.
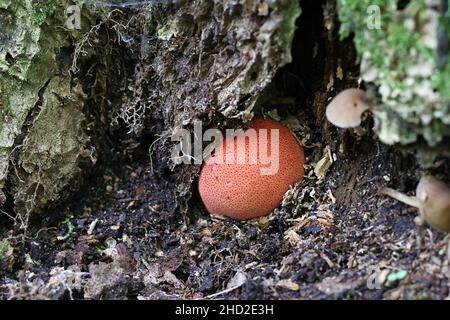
column 93, row 34
column 151, row 149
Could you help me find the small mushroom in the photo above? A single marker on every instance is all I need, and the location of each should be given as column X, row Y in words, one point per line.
column 346, row 109
column 434, row 202
column 432, row 199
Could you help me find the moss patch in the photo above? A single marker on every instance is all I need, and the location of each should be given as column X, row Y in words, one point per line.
column 401, row 59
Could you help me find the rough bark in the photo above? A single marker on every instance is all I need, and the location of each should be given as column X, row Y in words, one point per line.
column 42, row 140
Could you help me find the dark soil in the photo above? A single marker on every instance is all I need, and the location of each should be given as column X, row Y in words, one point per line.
column 124, row 225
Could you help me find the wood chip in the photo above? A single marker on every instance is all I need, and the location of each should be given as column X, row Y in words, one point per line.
column 288, row 284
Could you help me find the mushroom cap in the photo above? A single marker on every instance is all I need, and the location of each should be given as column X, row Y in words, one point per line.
column 434, row 201
column 347, row 108
column 241, row 191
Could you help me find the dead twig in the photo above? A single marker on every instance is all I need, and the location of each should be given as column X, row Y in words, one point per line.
column 223, row 292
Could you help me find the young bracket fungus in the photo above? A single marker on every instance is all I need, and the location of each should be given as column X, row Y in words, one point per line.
column 347, row 108
column 242, row 190
column 432, row 199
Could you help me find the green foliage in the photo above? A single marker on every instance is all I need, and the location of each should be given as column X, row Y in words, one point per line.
column 43, row 10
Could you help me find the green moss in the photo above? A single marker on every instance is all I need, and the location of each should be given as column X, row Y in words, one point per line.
column 290, row 14
column 4, row 4
column 5, row 250
column 401, row 60
column 441, row 81
column 4, row 65
column 393, row 34
column 42, row 10
column 20, row 69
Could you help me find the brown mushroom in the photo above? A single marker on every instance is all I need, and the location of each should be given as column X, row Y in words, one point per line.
column 346, row 109
column 434, row 202
column 432, row 199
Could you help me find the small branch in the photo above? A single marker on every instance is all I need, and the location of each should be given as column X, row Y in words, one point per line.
column 223, row 292
column 410, row 201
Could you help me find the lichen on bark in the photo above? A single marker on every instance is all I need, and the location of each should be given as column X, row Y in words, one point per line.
column 402, row 59
column 32, row 136
column 54, row 147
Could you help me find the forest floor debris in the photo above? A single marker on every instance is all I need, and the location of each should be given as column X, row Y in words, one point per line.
column 125, row 242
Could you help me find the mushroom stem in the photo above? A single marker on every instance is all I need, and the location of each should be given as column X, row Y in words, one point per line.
column 420, row 223
column 410, row 201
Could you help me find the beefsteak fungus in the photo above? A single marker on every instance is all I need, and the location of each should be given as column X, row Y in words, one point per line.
column 241, row 190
